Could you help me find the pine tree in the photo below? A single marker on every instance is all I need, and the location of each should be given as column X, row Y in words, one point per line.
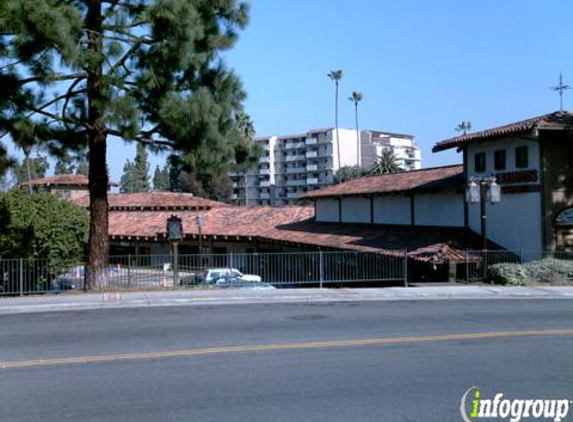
column 127, row 178
column 141, row 170
column 148, row 71
column 161, row 179
column 64, row 165
column 33, row 167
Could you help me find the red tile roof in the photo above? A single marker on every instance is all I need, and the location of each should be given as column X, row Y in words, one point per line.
column 63, row 180
column 557, row 120
column 154, row 201
column 296, row 225
column 430, row 178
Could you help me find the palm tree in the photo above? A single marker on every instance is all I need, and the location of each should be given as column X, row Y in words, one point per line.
column 385, row 163
column 336, row 76
column 356, row 97
column 464, row 127
column 24, row 137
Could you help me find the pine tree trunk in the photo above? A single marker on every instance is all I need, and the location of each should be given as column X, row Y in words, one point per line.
column 98, row 247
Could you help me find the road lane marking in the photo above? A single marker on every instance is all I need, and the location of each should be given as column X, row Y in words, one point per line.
column 284, row 346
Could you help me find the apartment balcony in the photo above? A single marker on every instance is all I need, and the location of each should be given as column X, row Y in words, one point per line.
column 290, row 158
column 264, row 172
column 292, row 195
column 291, row 170
column 312, row 181
column 265, row 196
column 264, row 159
column 312, row 167
column 298, row 182
column 311, row 141
column 312, row 154
column 295, row 145
column 265, row 184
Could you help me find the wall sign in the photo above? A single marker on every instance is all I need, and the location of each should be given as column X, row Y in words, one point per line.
column 565, row 218
column 515, row 177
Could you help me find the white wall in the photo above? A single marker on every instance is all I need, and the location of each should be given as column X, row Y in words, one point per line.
column 348, row 148
column 509, row 145
column 445, row 209
column 392, row 210
column 356, row 210
column 514, row 223
column 327, row 210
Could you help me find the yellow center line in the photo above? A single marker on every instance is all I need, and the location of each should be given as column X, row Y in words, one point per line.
column 283, row 346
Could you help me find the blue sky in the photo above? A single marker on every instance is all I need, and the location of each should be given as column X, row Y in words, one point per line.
column 423, row 66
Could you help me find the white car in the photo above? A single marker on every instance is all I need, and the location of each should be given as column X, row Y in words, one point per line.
column 211, row 275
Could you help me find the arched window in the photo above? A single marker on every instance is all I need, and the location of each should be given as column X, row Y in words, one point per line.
column 565, row 218
column 564, row 230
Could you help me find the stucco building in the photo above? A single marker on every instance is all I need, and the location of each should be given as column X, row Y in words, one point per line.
column 292, row 165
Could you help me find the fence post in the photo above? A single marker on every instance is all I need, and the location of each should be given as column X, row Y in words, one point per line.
column 21, row 277
column 405, row 267
column 467, row 265
column 230, row 260
column 321, row 267
column 129, row 270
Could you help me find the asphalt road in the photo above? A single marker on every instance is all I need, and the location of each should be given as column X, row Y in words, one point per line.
column 372, row 361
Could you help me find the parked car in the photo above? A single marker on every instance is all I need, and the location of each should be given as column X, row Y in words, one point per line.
column 211, row 275
column 71, row 280
column 242, row 284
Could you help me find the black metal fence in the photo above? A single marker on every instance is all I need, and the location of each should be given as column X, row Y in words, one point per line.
column 270, row 270
column 252, row 271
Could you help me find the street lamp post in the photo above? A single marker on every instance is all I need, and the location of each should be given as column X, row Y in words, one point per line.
column 175, row 235
column 482, row 190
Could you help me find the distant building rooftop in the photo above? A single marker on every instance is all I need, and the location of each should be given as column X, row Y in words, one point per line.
column 63, row 180
column 152, row 201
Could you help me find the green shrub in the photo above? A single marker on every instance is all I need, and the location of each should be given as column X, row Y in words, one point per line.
column 553, row 271
column 41, row 226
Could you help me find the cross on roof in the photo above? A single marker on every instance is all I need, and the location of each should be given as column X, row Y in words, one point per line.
column 560, row 88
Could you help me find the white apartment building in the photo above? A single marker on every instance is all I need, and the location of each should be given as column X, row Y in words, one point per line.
column 292, row 165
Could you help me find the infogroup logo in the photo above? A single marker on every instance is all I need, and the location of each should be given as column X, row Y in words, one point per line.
column 514, row 410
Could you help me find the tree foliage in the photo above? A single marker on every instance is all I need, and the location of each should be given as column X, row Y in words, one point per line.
column 464, row 127
column 37, row 166
column 135, row 176
column 41, row 226
column 348, row 173
column 161, row 179
column 385, row 163
column 75, row 73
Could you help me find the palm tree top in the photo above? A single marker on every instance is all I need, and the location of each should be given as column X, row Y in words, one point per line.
column 464, row 127
column 356, row 97
column 335, row 75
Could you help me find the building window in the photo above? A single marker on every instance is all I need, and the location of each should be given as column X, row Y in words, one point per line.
column 521, row 157
column 499, row 159
column 479, row 162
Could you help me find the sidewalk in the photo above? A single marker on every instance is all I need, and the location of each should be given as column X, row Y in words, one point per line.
column 77, row 301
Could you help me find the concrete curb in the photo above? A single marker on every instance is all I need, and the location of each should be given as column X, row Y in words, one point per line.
column 90, row 301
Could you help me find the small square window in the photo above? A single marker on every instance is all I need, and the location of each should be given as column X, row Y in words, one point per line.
column 499, row 159
column 521, row 157
column 479, row 162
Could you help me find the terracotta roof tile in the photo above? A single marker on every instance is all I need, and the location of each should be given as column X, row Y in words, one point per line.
column 559, row 119
column 296, row 225
column 430, row 178
column 154, row 201
column 63, row 179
